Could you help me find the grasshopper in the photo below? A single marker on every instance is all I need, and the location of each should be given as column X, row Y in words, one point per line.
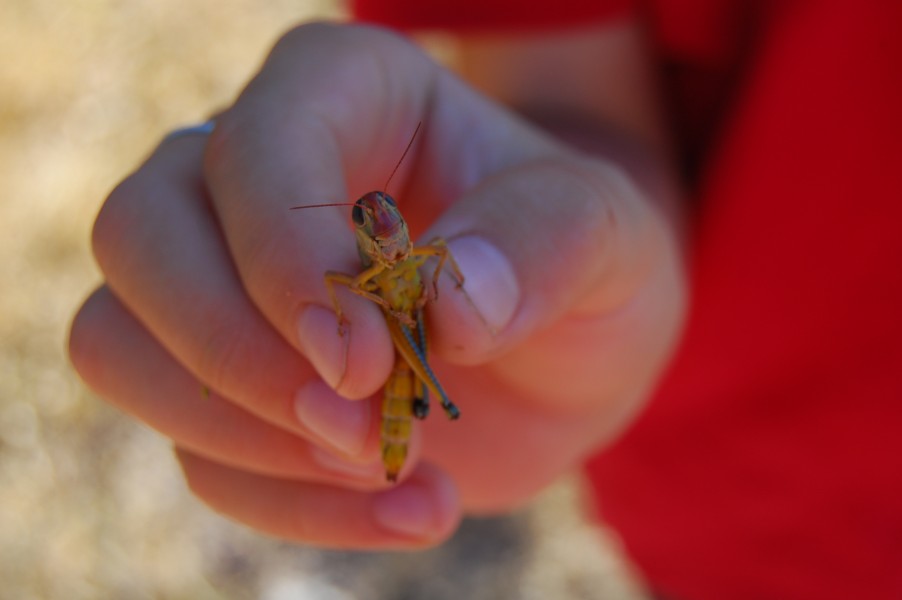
column 391, row 278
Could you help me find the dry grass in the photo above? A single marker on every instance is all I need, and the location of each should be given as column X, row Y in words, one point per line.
column 91, row 503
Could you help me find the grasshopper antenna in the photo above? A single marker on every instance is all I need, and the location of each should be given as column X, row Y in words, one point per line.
column 406, row 150
column 387, row 181
column 321, row 205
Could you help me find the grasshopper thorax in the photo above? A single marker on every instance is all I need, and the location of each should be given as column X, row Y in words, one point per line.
column 382, row 235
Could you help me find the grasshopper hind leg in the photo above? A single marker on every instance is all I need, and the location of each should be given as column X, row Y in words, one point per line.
column 412, row 346
column 421, row 400
column 421, row 405
column 451, row 410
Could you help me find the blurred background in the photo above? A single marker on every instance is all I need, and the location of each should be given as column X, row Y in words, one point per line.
column 92, row 504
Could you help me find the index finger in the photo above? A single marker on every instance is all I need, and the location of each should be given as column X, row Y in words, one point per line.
column 310, row 132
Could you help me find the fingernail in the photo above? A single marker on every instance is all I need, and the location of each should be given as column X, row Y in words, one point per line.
column 319, row 338
column 489, row 282
column 409, row 510
column 343, row 424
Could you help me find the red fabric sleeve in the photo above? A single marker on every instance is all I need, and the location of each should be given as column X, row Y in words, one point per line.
column 497, row 15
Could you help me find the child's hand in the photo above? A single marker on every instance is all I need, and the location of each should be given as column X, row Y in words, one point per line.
column 574, row 282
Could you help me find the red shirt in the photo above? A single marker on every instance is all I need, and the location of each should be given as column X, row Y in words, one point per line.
column 769, row 464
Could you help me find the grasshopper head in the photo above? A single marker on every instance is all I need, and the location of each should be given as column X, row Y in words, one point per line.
column 382, row 235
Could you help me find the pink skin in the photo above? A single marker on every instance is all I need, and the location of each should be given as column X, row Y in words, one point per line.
column 573, row 271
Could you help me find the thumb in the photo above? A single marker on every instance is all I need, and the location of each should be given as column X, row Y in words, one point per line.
column 544, row 239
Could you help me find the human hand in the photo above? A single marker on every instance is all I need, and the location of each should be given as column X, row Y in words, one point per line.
column 574, row 297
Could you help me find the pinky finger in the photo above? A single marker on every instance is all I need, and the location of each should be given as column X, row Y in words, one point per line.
column 421, row 511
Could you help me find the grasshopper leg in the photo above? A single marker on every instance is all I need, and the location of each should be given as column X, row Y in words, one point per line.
column 439, row 248
column 359, row 285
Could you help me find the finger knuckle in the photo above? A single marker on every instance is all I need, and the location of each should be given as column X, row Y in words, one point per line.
column 85, row 341
column 220, row 142
column 80, row 347
column 110, row 234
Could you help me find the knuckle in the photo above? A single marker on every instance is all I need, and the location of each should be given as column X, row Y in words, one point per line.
column 197, row 478
column 306, row 31
column 85, row 345
column 115, row 220
column 352, row 37
column 348, row 47
column 220, row 141
column 80, row 347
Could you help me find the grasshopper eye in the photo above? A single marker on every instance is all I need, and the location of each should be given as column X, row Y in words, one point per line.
column 389, row 200
column 357, row 215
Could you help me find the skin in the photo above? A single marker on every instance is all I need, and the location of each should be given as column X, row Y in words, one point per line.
column 571, row 254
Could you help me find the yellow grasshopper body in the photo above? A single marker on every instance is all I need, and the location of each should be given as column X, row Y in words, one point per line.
column 391, row 278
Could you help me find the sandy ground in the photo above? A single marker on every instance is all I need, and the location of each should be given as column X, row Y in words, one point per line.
column 92, row 504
